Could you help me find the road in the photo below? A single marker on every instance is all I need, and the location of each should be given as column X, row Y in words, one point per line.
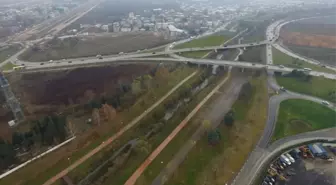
column 240, row 64
column 215, row 114
column 263, row 152
column 133, row 178
column 115, row 136
column 273, row 32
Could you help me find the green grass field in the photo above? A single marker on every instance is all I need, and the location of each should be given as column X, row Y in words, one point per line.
column 298, row 116
column 8, row 51
column 194, row 54
column 254, row 54
column 8, row 66
column 212, row 40
column 280, row 58
column 318, row 86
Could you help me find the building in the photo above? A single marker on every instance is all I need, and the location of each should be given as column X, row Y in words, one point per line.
column 174, row 32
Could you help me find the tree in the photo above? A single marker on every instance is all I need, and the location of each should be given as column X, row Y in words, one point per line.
column 142, row 146
column 7, row 155
column 109, row 112
column 136, row 87
column 214, row 137
column 17, row 139
column 206, row 125
column 95, row 116
column 229, row 118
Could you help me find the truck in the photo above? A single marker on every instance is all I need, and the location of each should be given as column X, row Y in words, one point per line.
column 318, row 150
column 315, row 151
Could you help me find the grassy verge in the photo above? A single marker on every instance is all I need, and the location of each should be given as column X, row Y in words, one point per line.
column 133, row 164
column 318, row 86
column 194, row 54
column 5, row 53
column 254, row 54
column 36, row 173
column 136, row 159
column 280, row 58
column 8, row 66
column 298, row 116
column 212, row 40
column 204, row 163
column 166, row 155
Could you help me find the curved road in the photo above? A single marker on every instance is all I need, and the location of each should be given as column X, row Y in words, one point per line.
column 262, row 152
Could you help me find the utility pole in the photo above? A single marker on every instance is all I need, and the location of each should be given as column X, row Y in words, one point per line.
column 12, row 102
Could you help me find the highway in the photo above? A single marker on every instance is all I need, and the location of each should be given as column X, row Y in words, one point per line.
column 264, row 153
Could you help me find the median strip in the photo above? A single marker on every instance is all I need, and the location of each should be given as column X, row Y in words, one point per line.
column 156, row 152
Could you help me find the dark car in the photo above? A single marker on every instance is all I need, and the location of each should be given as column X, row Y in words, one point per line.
column 41, row 63
column 70, row 61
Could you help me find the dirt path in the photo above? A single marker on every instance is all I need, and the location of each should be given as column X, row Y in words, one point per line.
column 215, row 114
column 157, row 151
column 117, row 135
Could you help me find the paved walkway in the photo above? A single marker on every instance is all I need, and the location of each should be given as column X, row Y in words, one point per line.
column 157, row 151
column 115, row 136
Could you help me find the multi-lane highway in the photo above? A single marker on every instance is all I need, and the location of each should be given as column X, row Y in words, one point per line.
column 263, row 154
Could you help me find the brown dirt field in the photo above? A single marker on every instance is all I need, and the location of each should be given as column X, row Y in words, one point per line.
column 63, row 87
column 303, row 39
column 104, row 44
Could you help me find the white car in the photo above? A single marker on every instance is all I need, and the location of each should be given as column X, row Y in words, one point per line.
column 290, row 157
column 281, row 66
column 325, row 103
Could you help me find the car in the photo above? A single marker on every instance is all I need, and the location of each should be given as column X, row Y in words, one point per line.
column 282, row 89
column 281, row 66
column 50, row 61
column 290, row 157
column 42, row 63
column 82, row 59
column 154, row 53
column 70, row 61
column 271, row 178
column 100, row 58
column 325, row 103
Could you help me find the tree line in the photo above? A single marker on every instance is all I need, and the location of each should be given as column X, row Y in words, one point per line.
column 48, row 131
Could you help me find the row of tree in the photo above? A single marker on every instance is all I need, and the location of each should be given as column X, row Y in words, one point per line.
column 45, row 132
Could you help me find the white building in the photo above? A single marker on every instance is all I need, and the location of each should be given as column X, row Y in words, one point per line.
column 125, row 29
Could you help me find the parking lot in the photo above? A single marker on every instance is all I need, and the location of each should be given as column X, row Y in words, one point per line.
column 311, row 164
column 311, row 172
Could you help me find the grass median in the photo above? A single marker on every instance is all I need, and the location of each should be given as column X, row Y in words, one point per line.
column 184, row 135
column 203, row 159
column 41, row 170
column 212, row 40
column 317, row 86
column 280, row 58
column 299, row 116
column 122, row 174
